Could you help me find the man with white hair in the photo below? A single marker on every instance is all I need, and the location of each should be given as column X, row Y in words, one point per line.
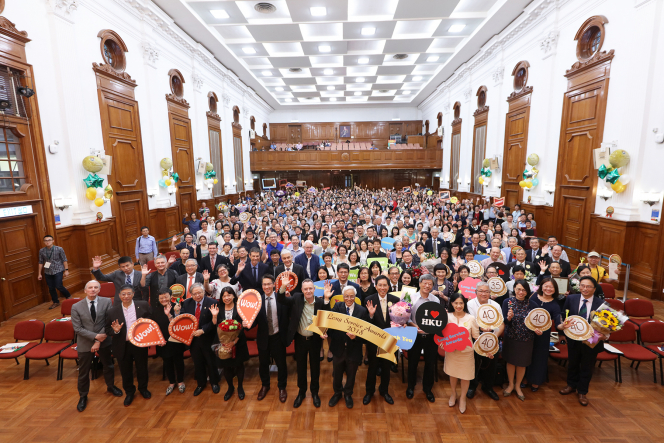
column 288, row 265
column 309, row 261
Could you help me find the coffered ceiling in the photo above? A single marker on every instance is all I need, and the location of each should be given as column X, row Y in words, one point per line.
column 306, row 52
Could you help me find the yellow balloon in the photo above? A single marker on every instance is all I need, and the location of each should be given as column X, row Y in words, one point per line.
column 429, row 192
column 529, row 184
column 618, row 187
column 99, row 202
column 522, row 183
column 481, row 180
column 297, row 194
column 215, row 181
column 168, row 181
column 91, row 193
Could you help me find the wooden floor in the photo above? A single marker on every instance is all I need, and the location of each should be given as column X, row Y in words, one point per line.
column 44, row 410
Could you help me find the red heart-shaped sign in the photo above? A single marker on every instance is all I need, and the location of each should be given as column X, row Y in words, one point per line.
column 455, row 338
column 249, row 305
column 182, row 327
column 145, row 332
column 434, row 314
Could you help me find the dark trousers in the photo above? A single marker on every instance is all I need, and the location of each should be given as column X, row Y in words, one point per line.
column 84, row 365
column 485, row 372
column 55, row 282
column 231, row 372
column 174, row 366
column 140, row 357
column 307, row 347
column 204, row 364
column 426, row 343
column 581, row 363
column 376, row 362
column 277, row 351
column 340, row 365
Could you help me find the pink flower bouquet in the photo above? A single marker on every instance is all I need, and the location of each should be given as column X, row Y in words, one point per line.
column 400, row 313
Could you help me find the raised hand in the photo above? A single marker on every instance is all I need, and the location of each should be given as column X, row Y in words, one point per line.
column 175, row 238
column 96, row 262
column 206, row 275
column 117, row 327
column 371, row 308
column 145, row 270
column 543, row 266
column 214, row 310
column 241, row 266
column 327, row 291
column 171, row 259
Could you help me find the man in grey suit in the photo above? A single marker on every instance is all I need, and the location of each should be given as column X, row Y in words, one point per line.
column 88, row 318
column 126, row 275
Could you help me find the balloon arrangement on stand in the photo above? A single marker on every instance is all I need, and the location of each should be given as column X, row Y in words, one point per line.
column 96, row 192
column 611, row 175
column 530, row 179
column 167, row 178
column 485, row 173
column 210, row 175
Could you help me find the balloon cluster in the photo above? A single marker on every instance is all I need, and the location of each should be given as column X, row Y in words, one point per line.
column 618, row 182
column 485, row 173
column 210, row 175
column 95, row 191
column 530, row 179
column 168, row 178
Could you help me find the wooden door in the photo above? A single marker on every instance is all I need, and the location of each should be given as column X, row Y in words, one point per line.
column 294, row 134
column 121, row 129
column 516, row 145
column 19, row 255
column 183, row 157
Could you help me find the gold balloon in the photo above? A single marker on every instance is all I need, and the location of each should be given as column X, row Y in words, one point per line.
column 168, row 181
column 209, row 167
column 618, row 187
column 108, row 192
column 481, row 180
column 165, row 173
column 522, row 183
column 486, row 163
column 619, row 158
column 533, row 159
column 92, row 164
column 529, row 184
column 91, row 193
column 215, row 181
column 99, row 202
column 166, row 163
column 429, row 192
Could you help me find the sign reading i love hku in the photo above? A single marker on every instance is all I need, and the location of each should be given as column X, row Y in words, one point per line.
column 431, row 317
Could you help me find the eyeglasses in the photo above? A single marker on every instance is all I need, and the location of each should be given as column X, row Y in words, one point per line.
column 586, row 287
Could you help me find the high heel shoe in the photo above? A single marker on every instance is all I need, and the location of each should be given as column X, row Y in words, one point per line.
column 452, row 402
column 521, row 397
column 506, row 394
column 464, row 407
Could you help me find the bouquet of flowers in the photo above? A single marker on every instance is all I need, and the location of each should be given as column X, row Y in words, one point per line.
column 605, row 321
column 227, row 331
column 429, row 262
column 574, row 284
column 400, row 313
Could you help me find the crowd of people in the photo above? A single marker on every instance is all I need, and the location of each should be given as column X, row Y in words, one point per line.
column 329, row 236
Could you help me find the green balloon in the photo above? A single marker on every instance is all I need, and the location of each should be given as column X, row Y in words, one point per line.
column 166, row 163
column 619, row 158
column 92, row 164
column 486, row 163
column 209, row 167
column 533, row 159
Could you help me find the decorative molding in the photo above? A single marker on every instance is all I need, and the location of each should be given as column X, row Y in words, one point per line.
column 457, row 121
column 481, row 110
column 498, row 75
column 63, row 8
column 150, row 54
column 595, row 60
column 109, row 71
column 467, row 94
column 7, row 27
column 178, row 100
column 226, row 99
column 245, row 111
column 198, row 81
column 518, row 94
column 213, row 115
column 446, row 106
column 236, row 126
column 548, row 44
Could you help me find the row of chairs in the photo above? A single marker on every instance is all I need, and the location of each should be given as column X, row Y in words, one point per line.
column 348, row 146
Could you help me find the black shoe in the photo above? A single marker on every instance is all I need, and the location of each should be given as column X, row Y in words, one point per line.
column 470, row 393
column 145, row 393
column 367, row 399
column 409, row 393
column 491, row 393
column 334, row 400
column 366, row 362
column 329, row 359
column 198, row 390
column 394, row 368
column 54, row 305
column 430, row 396
column 82, row 403
column 349, row 401
column 388, row 399
column 298, row 401
column 316, row 400
column 128, row 399
column 215, row 389
column 115, row 391
column 240, row 393
column 322, row 357
column 229, row 393
column 523, row 385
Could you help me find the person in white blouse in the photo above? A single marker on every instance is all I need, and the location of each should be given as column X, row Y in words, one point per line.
column 215, row 287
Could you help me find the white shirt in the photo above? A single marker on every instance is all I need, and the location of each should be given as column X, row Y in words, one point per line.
column 130, row 316
column 272, row 300
column 92, row 301
column 474, row 305
column 589, row 304
column 349, row 310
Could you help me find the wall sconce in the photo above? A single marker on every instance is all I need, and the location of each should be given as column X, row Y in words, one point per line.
column 199, row 187
column 650, row 198
column 550, row 188
column 171, row 190
column 63, row 203
column 152, row 192
column 604, row 193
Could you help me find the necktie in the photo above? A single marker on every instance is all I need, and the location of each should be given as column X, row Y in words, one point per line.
column 309, row 267
column 198, row 311
column 256, row 274
column 347, row 310
column 435, row 248
column 128, row 281
column 189, row 286
column 475, row 249
column 93, row 312
column 270, row 324
column 383, row 305
column 583, row 312
column 394, row 288
column 212, row 260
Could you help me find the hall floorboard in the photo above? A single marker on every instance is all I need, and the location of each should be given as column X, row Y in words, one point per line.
column 42, row 409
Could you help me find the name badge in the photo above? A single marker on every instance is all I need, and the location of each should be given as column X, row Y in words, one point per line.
column 47, row 265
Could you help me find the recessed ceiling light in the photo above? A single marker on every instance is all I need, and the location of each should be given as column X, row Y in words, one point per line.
column 382, row 90
column 456, row 28
column 330, row 88
column 279, row 88
column 359, row 80
column 267, row 73
column 295, row 70
column 333, row 99
column 406, row 92
column 265, row 8
column 249, row 50
column 324, row 48
column 417, row 78
column 363, row 60
column 318, row 11
column 288, row 100
column 433, row 58
column 328, row 72
column 357, row 93
column 400, row 56
column 368, row 31
column 218, row 13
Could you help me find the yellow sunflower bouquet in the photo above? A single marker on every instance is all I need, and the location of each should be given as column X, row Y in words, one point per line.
column 605, row 320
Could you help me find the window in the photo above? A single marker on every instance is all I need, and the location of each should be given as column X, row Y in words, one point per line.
column 12, row 173
column 456, row 152
column 215, row 159
column 478, row 156
column 9, row 81
column 590, row 37
column 239, row 173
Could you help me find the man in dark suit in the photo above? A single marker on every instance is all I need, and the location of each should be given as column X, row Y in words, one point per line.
column 212, row 260
column 126, row 275
column 434, row 244
column 271, row 339
column 309, row 261
column 534, row 254
column 250, row 275
column 475, row 245
column 178, row 265
column 378, row 306
column 156, row 282
column 393, row 273
column 88, row 317
column 408, row 260
column 120, row 318
column 581, row 356
column 205, row 309
column 288, row 265
column 342, row 280
column 303, row 307
column 190, row 277
column 346, row 348
column 520, row 260
column 556, row 256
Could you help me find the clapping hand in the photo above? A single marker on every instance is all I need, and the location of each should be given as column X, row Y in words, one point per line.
column 144, row 270
column 117, row 327
column 96, row 262
column 206, row 275
column 543, row 266
column 371, row 308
